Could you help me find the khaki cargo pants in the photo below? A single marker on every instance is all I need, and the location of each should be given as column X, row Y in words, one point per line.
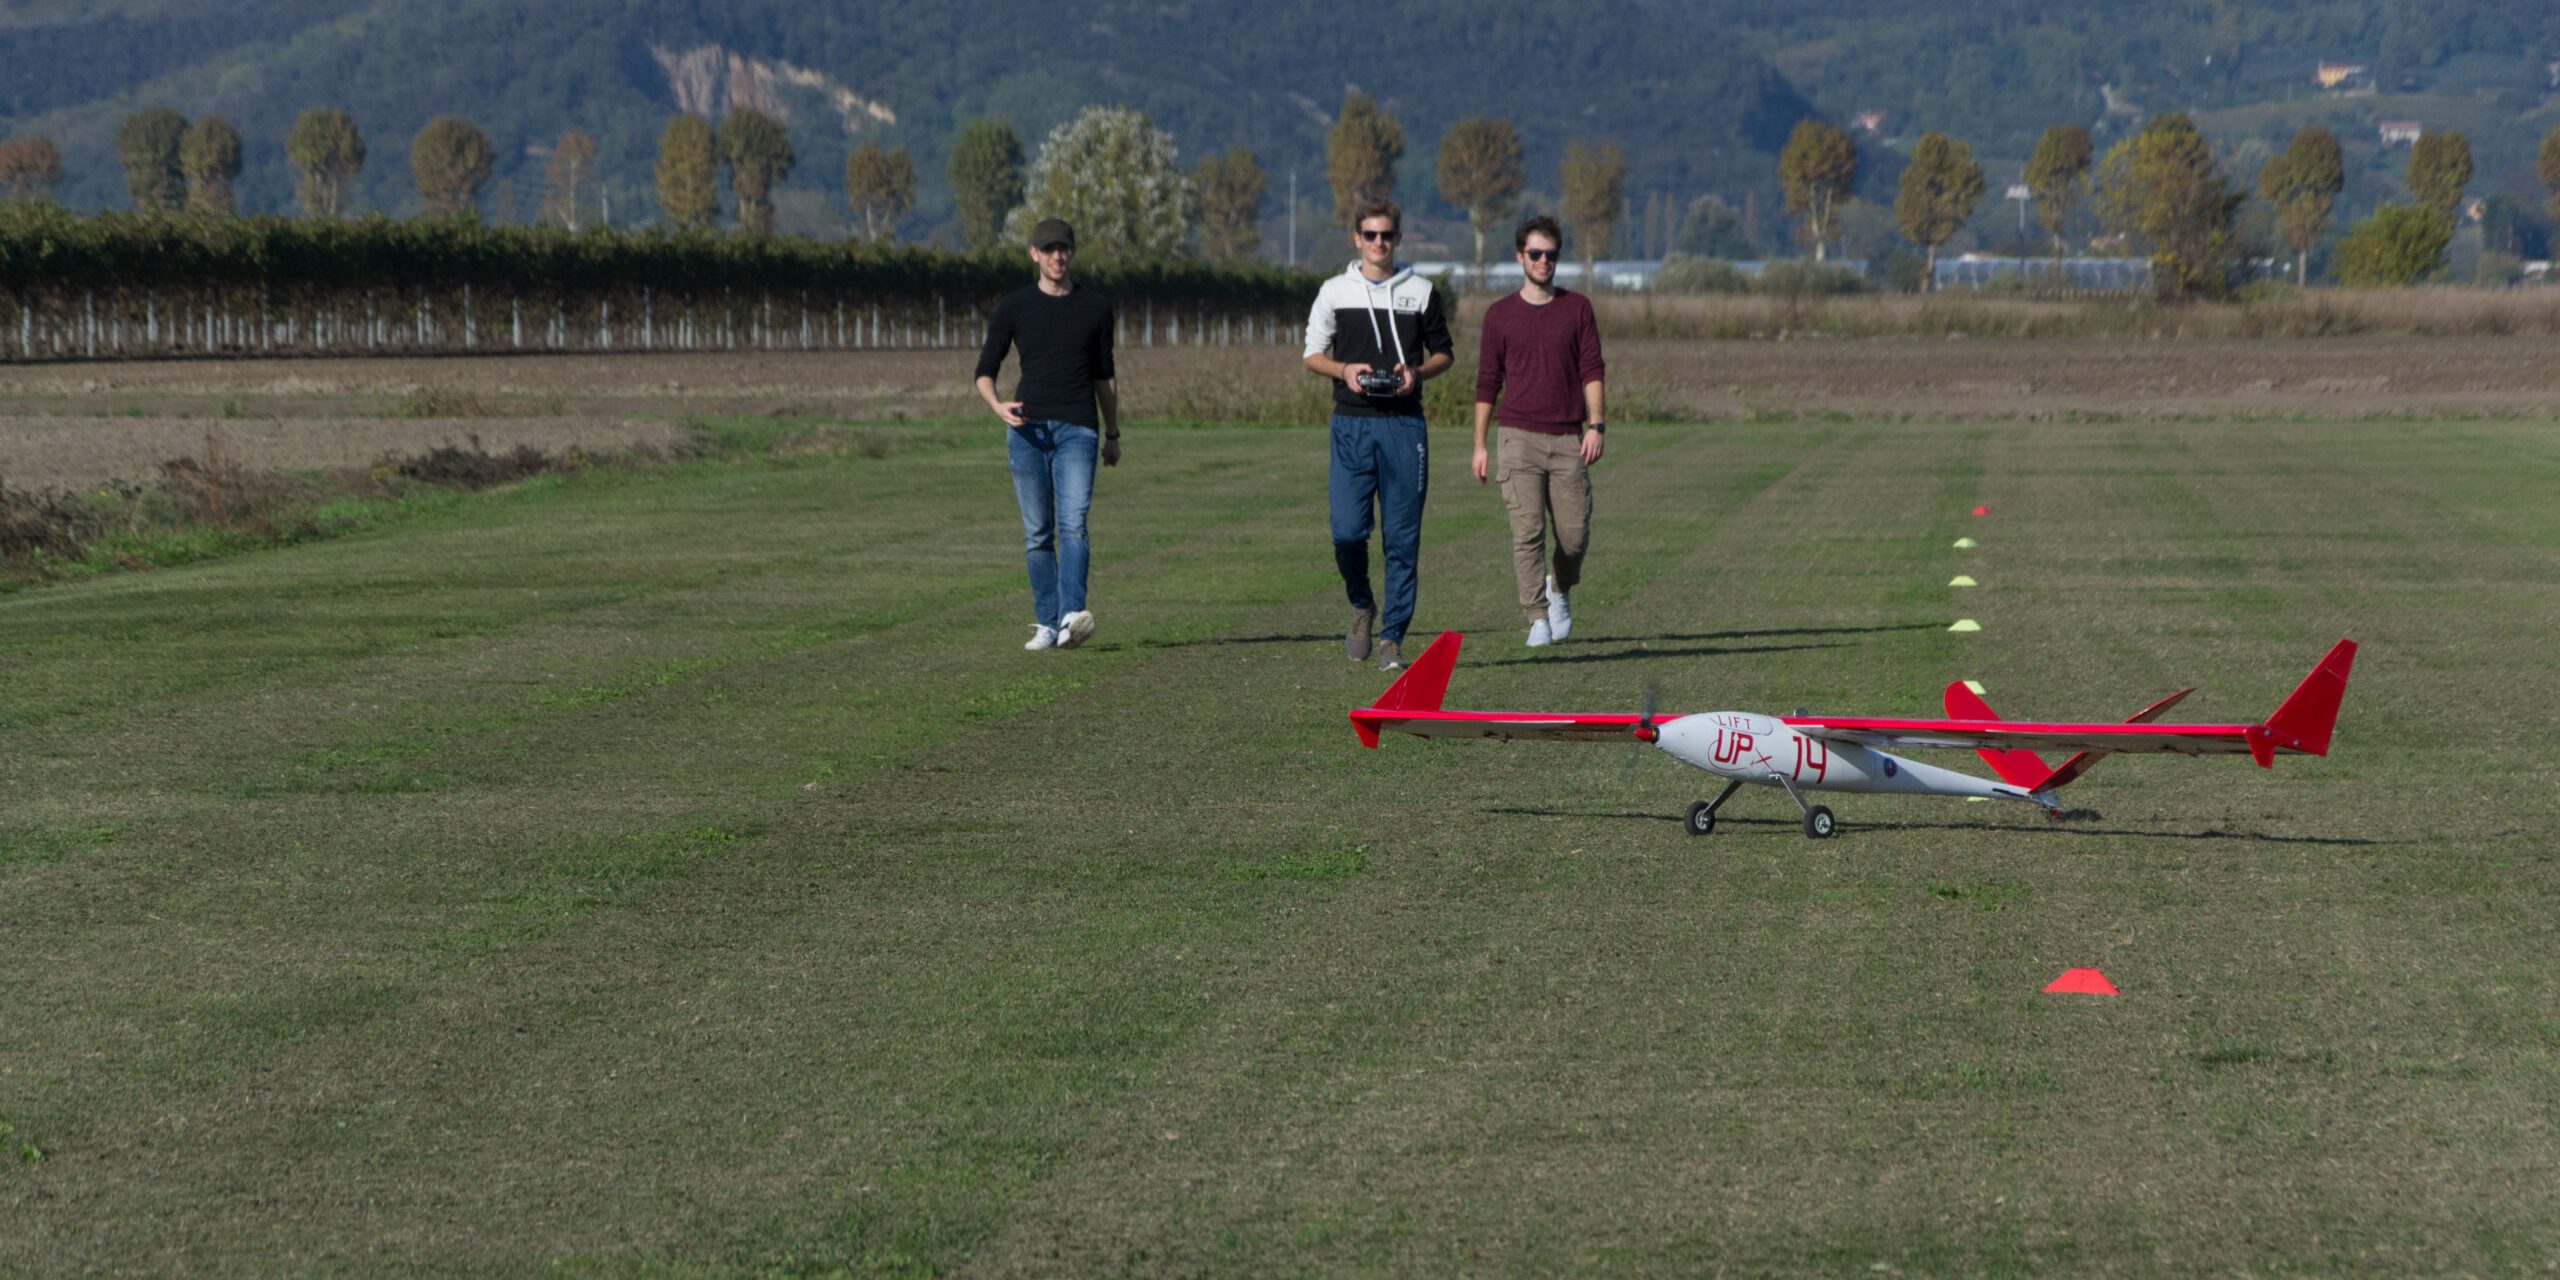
column 1542, row 476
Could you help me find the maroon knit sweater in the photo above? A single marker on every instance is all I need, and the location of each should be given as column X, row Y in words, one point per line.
column 1533, row 362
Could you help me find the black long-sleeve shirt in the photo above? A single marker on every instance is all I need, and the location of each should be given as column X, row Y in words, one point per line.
column 1066, row 348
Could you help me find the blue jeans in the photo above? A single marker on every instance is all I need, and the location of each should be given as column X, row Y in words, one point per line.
column 1386, row 460
column 1052, row 466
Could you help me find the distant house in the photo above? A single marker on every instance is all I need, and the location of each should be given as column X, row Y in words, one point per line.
column 2474, row 210
column 1868, row 122
column 2400, row 133
column 2343, row 77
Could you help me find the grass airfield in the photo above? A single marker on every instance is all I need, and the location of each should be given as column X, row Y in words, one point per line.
column 685, row 870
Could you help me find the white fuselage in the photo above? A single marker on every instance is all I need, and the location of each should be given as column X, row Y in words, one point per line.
column 1756, row 748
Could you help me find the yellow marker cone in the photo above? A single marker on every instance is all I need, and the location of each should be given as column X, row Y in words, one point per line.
column 1966, row 544
column 1966, row 624
column 1962, row 580
column 1976, row 686
column 1975, row 799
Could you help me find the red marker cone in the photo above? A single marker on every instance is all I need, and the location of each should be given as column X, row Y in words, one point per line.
column 2081, row 982
column 1982, row 511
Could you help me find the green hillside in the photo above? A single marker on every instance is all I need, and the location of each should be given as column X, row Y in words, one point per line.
column 1700, row 94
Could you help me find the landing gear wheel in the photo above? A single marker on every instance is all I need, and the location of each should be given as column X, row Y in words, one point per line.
column 1702, row 818
column 1818, row 824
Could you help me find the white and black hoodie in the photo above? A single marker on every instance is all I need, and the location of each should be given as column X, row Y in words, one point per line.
column 1398, row 320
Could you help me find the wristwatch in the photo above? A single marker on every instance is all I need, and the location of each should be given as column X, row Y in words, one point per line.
column 1595, row 428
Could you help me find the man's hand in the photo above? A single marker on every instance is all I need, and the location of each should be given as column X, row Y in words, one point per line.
column 1110, row 451
column 1411, row 380
column 1483, row 462
column 1351, row 375
column 1592, row 443
column 1011, row 412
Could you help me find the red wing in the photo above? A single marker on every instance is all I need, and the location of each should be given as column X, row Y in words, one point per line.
column 1518, row 725
column 2000, row 735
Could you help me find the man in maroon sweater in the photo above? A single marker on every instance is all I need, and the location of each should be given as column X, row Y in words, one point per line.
column 1540, row 364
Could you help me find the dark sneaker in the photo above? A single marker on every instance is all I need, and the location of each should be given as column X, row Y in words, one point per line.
column 1355, row 642
column 1388, row 658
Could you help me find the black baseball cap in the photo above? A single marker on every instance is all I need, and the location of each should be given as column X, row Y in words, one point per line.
column 1053, row 231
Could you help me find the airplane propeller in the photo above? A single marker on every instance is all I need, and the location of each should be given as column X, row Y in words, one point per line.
column 1644, row 732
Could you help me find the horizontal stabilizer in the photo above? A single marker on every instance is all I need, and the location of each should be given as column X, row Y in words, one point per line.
column 2016, row 766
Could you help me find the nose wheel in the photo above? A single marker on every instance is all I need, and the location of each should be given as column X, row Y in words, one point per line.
column 1702, row 815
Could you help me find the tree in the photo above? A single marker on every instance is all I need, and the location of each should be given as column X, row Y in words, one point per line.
column 2399, row 244
column 2546, row 165
column 328, row 152
column 1711, row 229
column 209, row 156
column 2163, row 185
column 571, row 169
column 30, row 165
column 2439, row 168
column 881, row 186
column 1480, row 172
column 1817, row 168
column 1230, row 189
column 1360, row 156
column 147, row 146
column 2303, row 185
column 2058, row 175
column 450, row 159
column 1116, row 179
column 1940, row 188
column 986, row 179
column 1595, row 197
column 688, row 172
column 758, row 152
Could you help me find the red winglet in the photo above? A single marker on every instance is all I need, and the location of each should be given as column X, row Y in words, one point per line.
column 1422, row 686
column 2305, row 720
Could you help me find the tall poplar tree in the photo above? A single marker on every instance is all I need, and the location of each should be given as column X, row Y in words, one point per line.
column 1480, row 172
column 758, row 152
column 2058, row 176
column 1818, row 168
column 986, row 179
column 2439, row 168
column 450, row 159
column 1940, row 188
column 1595, row 197
column 565, row 176
column 1360, row 155
column 1230, row 188
column 2303, row 185
column 688, row 172
column 147, row 146
column 209, row 156
column 881, row 186
column 2164, row 185
column 327, row 152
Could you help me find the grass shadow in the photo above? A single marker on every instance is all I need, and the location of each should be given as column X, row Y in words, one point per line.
column 1639, row 653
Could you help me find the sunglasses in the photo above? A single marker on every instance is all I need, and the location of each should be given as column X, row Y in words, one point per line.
column 1539, row 255
column 1389, row 237
column 1057, row 248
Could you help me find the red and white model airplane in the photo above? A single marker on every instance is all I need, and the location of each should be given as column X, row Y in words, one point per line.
column 1801, row 753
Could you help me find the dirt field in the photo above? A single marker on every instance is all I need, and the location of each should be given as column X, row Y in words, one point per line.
column 70, row 424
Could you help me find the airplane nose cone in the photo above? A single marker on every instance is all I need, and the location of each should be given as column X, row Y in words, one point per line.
column 1647, row 733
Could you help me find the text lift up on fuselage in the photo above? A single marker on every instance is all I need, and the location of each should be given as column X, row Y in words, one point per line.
column 1801, row 753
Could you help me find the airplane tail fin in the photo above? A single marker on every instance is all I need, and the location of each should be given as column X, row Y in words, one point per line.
column 1423, row 685
column 2017, row 767
column 2305, row 720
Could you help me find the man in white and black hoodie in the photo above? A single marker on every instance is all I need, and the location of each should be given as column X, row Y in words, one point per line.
column 1378, row 318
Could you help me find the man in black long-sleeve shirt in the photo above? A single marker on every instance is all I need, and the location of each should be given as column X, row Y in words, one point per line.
column 1064, row 333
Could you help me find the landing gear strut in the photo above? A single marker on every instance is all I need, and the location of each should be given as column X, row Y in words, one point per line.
column 1702, row 815
column 1818, row 823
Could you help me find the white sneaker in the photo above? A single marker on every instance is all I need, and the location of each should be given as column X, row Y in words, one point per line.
column 1042, row 638
column 1559, row 613
column 1539, row 636
column 1073, row 628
